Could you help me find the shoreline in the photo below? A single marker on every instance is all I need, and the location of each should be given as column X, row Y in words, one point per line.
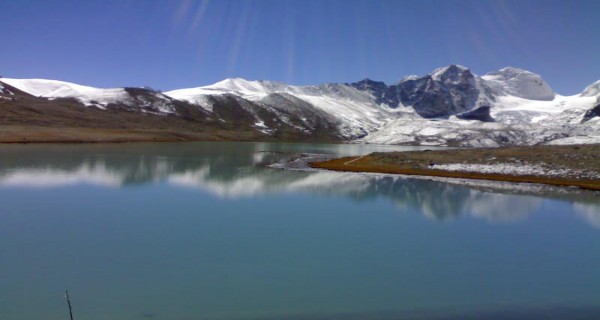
column 563, row 166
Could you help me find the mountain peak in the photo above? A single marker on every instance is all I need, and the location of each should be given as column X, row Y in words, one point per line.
column 369, row 82
column 451, row 67
column 511, row 72
column 409, row 77
column 247, row 86
column 50, row 88
column 229, row 82
column 520, row 83
column 451, row 72
column 592, row 90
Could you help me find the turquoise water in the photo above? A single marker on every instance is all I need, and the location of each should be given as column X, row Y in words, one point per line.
column 208, row 231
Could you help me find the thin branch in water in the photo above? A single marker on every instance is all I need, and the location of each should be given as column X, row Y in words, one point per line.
column 69, row 304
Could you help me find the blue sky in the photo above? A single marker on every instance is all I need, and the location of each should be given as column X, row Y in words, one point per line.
column 177, row 43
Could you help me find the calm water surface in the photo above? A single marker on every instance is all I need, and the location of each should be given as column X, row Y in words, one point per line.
column 208, row 231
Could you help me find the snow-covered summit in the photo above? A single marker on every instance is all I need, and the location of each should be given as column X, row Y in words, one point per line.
column 408, row 77
column 133, row 98
column 59, row 89
column 520, row 83
column 256, row 89
column 49, row 88
column 592, row 90
column 247, row 86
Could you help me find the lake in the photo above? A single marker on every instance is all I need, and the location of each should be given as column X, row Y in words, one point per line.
column 210, row 231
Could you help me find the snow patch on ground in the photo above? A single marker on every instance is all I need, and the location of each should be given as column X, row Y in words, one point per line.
column 515, row 169
column 500, row 168
column 262, row 127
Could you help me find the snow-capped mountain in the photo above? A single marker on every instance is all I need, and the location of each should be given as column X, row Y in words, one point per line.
column 135, row 98
column 5, row 91
column 519, row 83
column 446, row 91
column 509, row 106
column 592, row 90
column 449, row 106
column 354, row 112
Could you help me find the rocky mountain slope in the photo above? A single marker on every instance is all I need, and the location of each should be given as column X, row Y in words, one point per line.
column 450, row 106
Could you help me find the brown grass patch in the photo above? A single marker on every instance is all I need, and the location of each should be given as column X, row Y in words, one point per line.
column 576, row 158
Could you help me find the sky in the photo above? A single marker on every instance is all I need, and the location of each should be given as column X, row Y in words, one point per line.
column 174, row 44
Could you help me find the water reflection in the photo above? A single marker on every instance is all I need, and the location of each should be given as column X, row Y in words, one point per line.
column 234, row 170
column 590, row 212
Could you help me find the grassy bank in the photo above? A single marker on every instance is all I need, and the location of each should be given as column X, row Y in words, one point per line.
column 556, row 165
column 35, row 134
column 74, row 134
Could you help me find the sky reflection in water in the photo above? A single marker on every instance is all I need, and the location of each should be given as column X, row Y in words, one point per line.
column 208, row 231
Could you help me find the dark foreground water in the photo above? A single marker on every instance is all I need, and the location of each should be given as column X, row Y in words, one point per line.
column 207, row 231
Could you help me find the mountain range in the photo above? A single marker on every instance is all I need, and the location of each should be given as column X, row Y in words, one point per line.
column 451, row 106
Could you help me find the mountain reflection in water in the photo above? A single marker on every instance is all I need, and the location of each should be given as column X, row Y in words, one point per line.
column 235, row 170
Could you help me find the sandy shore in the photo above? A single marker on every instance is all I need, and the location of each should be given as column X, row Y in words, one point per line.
column 577, row 166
